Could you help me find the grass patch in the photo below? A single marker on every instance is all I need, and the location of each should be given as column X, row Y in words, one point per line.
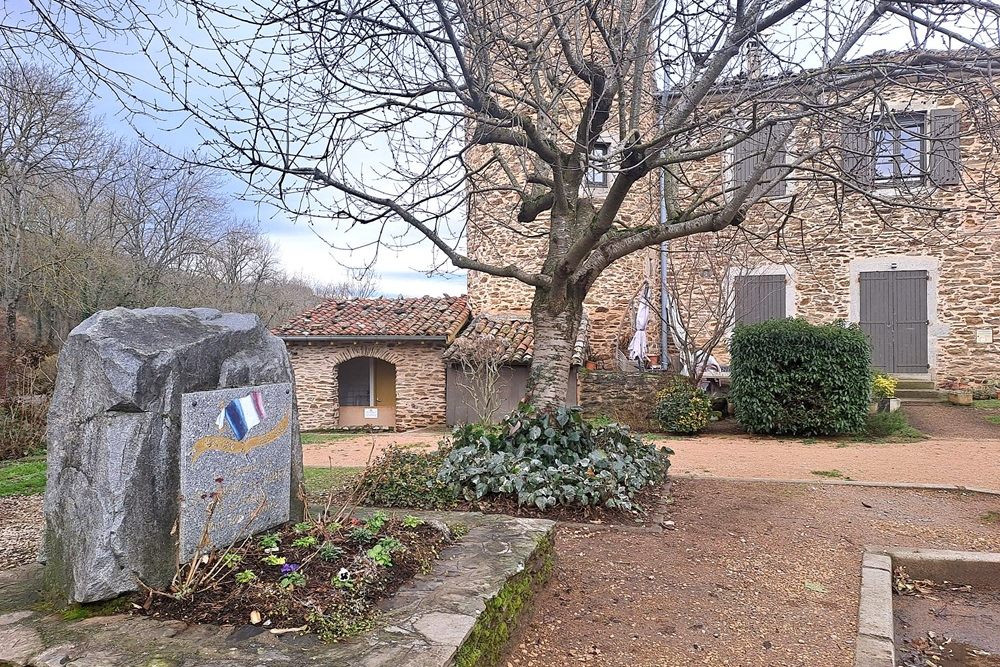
column 889, row 427
column 989, row 404
column 320, row 480
column 809, row 441
column 323, row 437
column 993, row 419
column 830, row 474
column 991, row 518
column 23, row 477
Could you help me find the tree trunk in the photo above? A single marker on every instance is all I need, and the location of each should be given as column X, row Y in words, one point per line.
column 11, row 322
column 556, row 323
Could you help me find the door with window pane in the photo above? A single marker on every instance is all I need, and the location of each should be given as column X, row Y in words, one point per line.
column 894, row 317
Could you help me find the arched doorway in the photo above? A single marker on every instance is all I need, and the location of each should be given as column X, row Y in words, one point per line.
column 366, row 392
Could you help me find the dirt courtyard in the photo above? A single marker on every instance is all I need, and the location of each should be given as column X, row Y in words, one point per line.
column 754, row 574
column 961, row 450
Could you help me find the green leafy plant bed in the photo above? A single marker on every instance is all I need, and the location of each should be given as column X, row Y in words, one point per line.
column 324, row 577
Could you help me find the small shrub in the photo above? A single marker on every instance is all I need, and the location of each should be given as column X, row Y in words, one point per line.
column 883, row 386
column 790, row 377
column 22, row 429
column 682, row 408
column 549, row 459
column 406, row 478
column 890, row 425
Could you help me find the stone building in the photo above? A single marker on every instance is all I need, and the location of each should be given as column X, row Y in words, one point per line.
column 373, row 362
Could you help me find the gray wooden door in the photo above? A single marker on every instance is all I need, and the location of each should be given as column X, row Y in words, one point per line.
column 894, row 317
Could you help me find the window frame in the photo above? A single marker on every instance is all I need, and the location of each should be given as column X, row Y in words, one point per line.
column 598, row 178
column 895, row 124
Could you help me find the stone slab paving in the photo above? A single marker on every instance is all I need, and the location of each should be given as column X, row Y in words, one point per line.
column 425, row 624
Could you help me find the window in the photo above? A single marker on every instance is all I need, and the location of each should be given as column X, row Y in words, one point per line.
column 901, row 149
column 748, row 156
column 759, row 298
column 596, row 174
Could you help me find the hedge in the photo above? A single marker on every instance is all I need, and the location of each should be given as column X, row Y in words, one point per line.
column 790, row 377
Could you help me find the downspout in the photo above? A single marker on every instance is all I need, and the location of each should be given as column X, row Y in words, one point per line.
column 664, row 246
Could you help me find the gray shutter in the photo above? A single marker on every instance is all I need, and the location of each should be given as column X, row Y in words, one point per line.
column 780, row 158
column 945, row 155
column 760, row 298
column 748, row 155
column 857, row 158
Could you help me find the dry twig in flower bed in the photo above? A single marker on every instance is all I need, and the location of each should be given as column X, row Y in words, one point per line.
column 321, row 577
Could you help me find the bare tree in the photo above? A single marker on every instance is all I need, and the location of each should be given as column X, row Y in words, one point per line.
column 481, row 359
column 501, row 106
column 360, row 284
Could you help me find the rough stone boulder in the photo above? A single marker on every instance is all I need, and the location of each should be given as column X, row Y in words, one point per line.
column 112, row 498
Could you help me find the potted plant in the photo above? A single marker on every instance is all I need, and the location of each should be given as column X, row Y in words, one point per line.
column 959, row 393
column 883, row 392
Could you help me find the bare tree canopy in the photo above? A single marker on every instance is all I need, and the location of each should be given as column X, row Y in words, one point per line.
column 543, row 120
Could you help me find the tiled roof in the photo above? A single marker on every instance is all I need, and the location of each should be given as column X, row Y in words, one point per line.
column 515, row 335
column 417, row 317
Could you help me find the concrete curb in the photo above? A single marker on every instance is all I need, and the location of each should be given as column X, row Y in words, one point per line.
column 852, row 482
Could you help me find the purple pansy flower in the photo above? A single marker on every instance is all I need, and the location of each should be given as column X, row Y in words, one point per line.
column 288, row 568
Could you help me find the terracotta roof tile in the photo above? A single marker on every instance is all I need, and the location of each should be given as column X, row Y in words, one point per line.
column 516, row 335
column 417, row 317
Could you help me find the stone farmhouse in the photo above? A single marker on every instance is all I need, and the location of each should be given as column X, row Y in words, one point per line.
column 924, row 288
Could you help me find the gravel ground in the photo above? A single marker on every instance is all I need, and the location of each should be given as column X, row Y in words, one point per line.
column 354, row 451
column 754, row 574
column 20, row 530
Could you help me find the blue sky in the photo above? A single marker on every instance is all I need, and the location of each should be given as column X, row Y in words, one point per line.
column 302, row 251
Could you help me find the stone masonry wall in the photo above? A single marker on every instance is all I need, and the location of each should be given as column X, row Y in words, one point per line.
column 420, row 380
column 833, row 238
column 627, row 398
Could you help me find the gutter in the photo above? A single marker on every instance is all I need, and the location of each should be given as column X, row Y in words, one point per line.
column 348, row 339
column 664, row 246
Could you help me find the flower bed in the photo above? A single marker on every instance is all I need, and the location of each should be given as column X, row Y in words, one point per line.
column 324, row 578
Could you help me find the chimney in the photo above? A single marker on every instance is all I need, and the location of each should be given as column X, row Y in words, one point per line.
column 751, row 59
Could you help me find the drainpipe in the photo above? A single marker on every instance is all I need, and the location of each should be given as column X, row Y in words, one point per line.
column 664, row 246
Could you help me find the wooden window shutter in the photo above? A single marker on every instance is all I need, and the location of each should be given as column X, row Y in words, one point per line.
column 748, row 155
column 857, row 159
column 945, row 155
column 780, row 158
column 760, row 298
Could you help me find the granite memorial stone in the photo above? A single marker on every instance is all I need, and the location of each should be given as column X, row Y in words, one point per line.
column 236, row 461
column 112, row 499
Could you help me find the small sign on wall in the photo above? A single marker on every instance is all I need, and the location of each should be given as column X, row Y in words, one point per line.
column 984, row 336
column 371, row 413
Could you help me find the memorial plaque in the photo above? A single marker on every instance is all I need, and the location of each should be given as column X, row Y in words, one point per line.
column 235, row 461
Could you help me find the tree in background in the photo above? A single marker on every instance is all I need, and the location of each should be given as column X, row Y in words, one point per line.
column 89, row 222
column 508, row 106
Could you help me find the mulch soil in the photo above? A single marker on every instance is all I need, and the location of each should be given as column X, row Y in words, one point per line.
column 227, row 601
column 753, row 574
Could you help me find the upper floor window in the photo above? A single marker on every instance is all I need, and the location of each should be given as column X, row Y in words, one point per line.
column 596, row 174
column 901, row 149
column 759, row 298
column 748, row 157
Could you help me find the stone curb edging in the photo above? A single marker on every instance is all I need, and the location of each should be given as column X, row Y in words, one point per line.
column 875, row 646
column 848, row 482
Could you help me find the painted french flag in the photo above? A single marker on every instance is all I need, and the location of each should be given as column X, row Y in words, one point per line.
column 242, row 414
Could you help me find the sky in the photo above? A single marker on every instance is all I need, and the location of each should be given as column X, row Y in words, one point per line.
column 302, row 251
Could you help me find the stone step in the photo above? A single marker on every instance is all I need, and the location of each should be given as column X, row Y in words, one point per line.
column 927, row 401
column 914, row 384
column 907, row 394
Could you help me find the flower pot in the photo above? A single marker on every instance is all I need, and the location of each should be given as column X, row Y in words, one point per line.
column 591, row 365
column 960, row 397
column 654, row 359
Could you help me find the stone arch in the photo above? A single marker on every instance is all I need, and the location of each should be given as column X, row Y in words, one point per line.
column 377, row 351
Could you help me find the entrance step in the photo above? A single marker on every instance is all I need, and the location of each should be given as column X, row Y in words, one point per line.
column 922, row 395
column 903, row 383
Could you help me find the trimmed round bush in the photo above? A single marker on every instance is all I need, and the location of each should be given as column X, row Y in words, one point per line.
column 682, row 408
column 552, row 458
column 790, row 377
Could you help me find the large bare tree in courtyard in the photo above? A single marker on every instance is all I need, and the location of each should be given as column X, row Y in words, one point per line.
column 396, row 115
